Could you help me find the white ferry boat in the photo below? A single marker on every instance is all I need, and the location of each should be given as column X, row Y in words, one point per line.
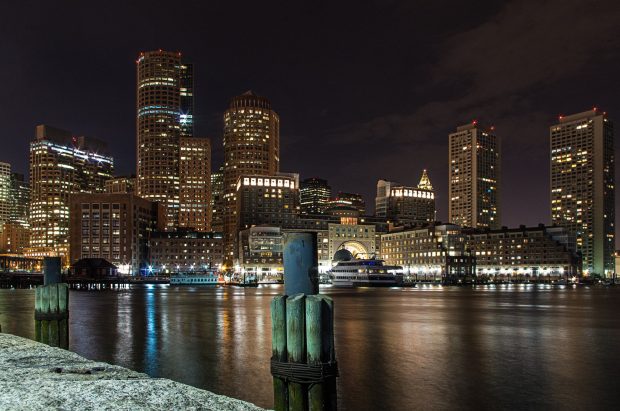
column 367, row 272
column 208, row 278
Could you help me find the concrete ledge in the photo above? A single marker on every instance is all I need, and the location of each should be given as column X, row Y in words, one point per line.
column 34, row 376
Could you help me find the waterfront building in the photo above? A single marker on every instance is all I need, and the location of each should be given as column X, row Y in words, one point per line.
column 5, row 193
column 115, row 227
column 61, row 164
column 475, row 177
column 504, row 254
column 314, row 196
column 185, row 251
column 428, row 253
column 260, row 253
column 251, row 147
column 217, row 200
column 349, row 200
column 122, row 185
column 195, row 180
column 406, row 204
column 583, row 186
column 161, row 77
column 524, row 252
column 267, row 200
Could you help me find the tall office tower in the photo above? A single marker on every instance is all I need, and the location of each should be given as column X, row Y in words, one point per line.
column 217, row 200
column 20, row 199
column 61, row 164
column 582, row 186
column 267, row 200
column 160, row 104
column 251, row 147
column 349, row 200
column 5, row 193
column 195, row 178
column 406, row 204
column 315, row 194
column 475, row 177
column 187, row 100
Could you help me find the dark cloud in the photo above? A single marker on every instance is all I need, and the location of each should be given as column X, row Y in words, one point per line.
column 365, row 90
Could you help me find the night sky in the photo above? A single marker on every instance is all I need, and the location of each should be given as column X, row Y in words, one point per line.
column 364, row 90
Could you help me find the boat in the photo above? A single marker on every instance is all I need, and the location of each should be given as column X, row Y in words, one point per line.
column 249, row 281
column 206, row 278
column 365, row 272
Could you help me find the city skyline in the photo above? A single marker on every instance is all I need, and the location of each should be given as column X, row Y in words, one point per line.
column 403, row 126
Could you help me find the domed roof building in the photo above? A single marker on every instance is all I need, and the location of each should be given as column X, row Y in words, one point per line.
column 343, row 255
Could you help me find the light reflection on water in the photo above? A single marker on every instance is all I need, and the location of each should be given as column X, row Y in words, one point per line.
column 493, row 347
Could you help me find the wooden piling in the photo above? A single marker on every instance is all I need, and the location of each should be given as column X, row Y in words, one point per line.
column 51, row 315
column 296, row 347
column 314, row 347
column 278, row 345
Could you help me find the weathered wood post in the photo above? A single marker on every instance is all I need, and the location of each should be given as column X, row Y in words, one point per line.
column 51, row 307
column 303, row 364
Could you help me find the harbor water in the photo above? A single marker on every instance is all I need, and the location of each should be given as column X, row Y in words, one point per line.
column 430, row 347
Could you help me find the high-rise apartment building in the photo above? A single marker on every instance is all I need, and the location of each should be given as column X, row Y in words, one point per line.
column 187, row 100
column 217, row 200
column 195, row 179
column 405, row 204
column 5, row 193
column 251, row 147
column 61, row 164
column 164, row 114
column 314, row 195
column 583, row 186
column 20, row 199
column 475, row 177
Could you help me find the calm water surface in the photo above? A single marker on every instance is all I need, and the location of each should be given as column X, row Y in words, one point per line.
column 428, row 348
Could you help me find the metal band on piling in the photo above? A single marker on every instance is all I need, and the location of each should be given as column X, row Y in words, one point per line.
column 304, row 373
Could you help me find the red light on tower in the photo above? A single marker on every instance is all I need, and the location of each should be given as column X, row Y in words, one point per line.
column 492, row 128
column 474, row 122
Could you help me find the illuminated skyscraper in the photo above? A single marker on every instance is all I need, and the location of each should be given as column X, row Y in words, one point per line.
column 195, row 179
column 61, row 164
column 251, row 147
column 352, row 200
column 583, row 186
column 395, row 201
column 5, row 193
column 315, row 194
column 164, row 113
column 475, row 177
column 217, row 200
column 187, row 100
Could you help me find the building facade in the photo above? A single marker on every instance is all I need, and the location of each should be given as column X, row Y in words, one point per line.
column 426, row 253
column 314, row 196
column 61, row 165
column 115, row 227
column 583, row 186
column 5, row 193
column 195, row 180
column 251, row 147
column 217, row 200
column 185, row 251
column 186, row 117
column 413, row 205
column 475, row 177
column 349, row 200
column 523, row 252
column 161, row 80
column 260, row 253
column 14, row 238
column 267, row 200
column 121, row 185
